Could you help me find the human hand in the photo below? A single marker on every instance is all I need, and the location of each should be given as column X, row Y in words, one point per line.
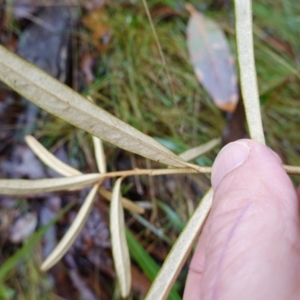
column 250, row 245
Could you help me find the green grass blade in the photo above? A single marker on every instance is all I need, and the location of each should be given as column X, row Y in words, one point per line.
column 171, row 215
column 145, row 261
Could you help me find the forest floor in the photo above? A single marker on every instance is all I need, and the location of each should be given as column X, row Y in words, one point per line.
column 137, row 68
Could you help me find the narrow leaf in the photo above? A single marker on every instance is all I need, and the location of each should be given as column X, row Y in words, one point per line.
column 212, row 60
column 69, row 238
column 200, row 150
column 145, row 261
column 140, row 255
column 49, row 159
column 60, row 167
column 118, row 241
column 168, row 273
column 30, row 186
column 100, row 155
column 159, row 232
column 58, row 99
column 172, row 215
column 98, row 148
column 128, row 204
column 243, row 16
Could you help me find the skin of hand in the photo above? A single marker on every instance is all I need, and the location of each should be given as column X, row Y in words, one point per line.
column 250, row 244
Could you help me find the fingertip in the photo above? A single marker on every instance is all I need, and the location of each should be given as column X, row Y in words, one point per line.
column 298, row 192
column 250, row 157
column 235, row 154
column 253, row 221
column 229, row 158
column 196, row 269
column 245, row 168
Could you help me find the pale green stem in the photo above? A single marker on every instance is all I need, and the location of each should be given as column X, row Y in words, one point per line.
column 244, row 36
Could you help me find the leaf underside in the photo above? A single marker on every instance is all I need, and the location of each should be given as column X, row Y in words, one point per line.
column 118, row 241
column 61, row 101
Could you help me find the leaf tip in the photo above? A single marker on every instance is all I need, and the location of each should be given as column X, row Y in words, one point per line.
column 229, row 106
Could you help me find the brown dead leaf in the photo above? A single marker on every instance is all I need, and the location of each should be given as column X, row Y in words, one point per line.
column 95, row 22
column 140, row 282
column 212, row 60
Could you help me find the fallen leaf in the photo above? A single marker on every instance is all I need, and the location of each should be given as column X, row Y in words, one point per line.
column 23, row 228
column 118, row 241
column 212, row 60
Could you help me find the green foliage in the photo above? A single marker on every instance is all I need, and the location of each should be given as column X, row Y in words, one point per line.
column 167, row 101
column 134, row 84
column 145, row 261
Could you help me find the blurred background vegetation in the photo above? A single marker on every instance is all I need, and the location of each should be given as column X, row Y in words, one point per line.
column 150, row 84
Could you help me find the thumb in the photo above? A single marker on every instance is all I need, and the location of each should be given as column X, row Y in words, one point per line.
column 249, row 247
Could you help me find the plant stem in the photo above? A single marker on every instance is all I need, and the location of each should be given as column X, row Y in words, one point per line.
column 243, row 14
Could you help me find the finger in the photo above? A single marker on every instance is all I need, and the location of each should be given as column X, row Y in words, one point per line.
column 298, row 192
column 193, row 287
column 250, row 242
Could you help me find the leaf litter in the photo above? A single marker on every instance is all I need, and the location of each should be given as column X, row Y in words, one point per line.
column 212, row 60
column 94, row 255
